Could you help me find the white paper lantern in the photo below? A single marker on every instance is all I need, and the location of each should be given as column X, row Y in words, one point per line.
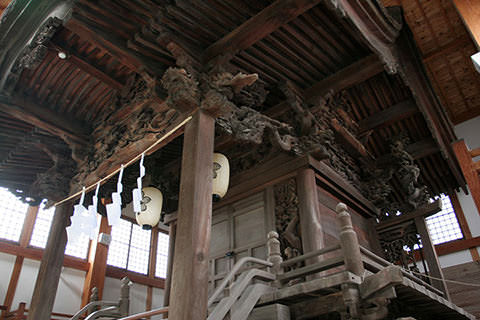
column 151, row 208
column 221, row 176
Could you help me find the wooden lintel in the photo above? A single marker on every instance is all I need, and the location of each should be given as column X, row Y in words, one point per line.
column 388, row 116
column 80, row 62
column 26, row 110
column 349, row 76
column 259, row 26
column 424, row 211
column 135, row 277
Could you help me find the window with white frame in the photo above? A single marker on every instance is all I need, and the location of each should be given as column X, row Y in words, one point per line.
column 443, row 226
column 130, row 247
column 41, row 229
column 162, row 255
column 12, row 215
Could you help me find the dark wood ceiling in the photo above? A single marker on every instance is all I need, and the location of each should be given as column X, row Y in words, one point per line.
column 108, row 43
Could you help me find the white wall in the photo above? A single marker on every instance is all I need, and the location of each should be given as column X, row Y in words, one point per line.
column 69, row 292
column 7, row 261
column 138, row 295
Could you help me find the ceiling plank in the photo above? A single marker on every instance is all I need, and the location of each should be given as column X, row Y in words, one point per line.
column 469, row 10
column 349, row 76
column 80, row 62
column 26, row 110
column 258, row 27
column 388, row 116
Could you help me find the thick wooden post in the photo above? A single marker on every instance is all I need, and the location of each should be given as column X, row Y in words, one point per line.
column 349, row 242
column 51, row 266
column 309, row 213
column 95, row 277
column 435, row 270
column 188, row 300
column 273, row 252
column 471, row 176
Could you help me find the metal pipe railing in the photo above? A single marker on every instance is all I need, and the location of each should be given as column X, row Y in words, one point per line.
column 232, row 273
column 103, row 312
column 92, row 304
column 145, row 314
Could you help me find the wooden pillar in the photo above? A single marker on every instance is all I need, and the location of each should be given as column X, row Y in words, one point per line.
column 190, row 264
column 469, row 172
column 309, row 213
column 349, row 242
column 435, row 270
column 51, row 266
column 469, row 10
column 97, row 256
column 25, row 237
column 171, row 253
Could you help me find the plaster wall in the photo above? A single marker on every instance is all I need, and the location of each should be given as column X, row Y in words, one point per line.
column 138, row 295
column 6, row 267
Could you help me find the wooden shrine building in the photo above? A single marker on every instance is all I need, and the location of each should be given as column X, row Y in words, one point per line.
column 336, row 116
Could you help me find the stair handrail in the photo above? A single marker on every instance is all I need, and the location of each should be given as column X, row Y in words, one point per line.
column 102, row 312
column 154, row 312
column 232, row 273
column 100, row 303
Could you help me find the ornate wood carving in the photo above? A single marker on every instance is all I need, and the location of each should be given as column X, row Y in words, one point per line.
column 398, row 245
column 287, row 219
column 34, row 53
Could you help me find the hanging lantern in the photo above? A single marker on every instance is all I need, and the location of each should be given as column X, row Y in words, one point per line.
column 221, row 176
column 151, row 208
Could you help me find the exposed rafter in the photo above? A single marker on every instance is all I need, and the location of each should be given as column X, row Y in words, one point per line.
column 88, row 67
column 259, row 26
column 388, row 116
column 349, row 76
column 25, row 109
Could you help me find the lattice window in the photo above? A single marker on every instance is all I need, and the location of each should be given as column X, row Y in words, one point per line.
column 130, row 247
column 162, row 255
column 42, row 226
column 41, row 230
column 444, row 226
column 12, row 215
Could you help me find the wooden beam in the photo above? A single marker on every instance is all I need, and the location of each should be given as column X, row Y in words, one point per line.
column 469, row 11
column 190, row 277
column 258, row 27
column 80, row 62
column 347, row 77
column 25, row 109
column 45, row 290
column 388, row 116
column 424, row 211
column 36, row 254
column 352, row 145
column 97, row 258
column 466, row 164
column 135, row 277
column 435, row 115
